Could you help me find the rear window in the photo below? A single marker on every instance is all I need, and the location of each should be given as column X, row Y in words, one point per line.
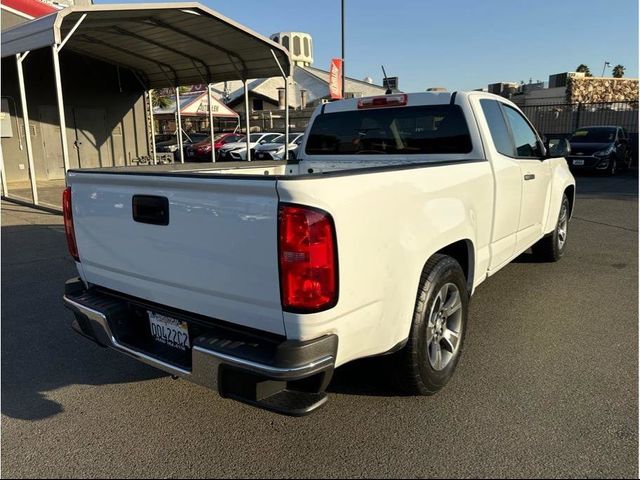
column 417, row 130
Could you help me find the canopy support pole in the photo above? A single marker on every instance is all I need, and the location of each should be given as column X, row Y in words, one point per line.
column 3, row 175
column 247, row 121
column 179, row 125
column 286, row 106
column 286, row 118
column 61, row 117
column 153, row 128
column 27, row 127
column 55, row 49
column 72, row 31
column 211, row 132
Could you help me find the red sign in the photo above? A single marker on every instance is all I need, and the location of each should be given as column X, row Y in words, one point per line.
column 335, row 79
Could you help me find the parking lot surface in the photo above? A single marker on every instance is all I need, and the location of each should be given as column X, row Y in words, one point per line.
column 547, row 385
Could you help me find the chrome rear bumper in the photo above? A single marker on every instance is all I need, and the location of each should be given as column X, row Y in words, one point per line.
column 285, row 370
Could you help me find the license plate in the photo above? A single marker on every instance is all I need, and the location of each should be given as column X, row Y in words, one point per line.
column 261, row 155
column 169, row 331
column 578, row 163
column 190, row 153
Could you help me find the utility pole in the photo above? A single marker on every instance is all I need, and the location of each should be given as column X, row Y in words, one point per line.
column 343, row 75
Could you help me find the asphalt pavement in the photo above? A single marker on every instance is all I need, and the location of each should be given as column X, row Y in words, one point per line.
column 547, row 385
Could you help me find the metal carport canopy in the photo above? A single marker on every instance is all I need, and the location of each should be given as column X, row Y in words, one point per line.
column 165, row 44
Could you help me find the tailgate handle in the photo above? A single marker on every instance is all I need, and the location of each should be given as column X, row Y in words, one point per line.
column 151, row 209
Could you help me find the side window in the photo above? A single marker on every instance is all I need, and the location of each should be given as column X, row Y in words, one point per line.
column 622, row 134
column 307, row 51
column 498, row 128
column 525, row 138
column 296, row 45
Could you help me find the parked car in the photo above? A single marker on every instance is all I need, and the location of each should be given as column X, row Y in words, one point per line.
column 260, row 280
column 171, row 145
column 201, row 151
column 163, row 137
column 238, row 151
column 275, row 150
column 599, row 148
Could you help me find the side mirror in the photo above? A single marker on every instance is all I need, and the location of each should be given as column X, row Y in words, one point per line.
column 558, row 147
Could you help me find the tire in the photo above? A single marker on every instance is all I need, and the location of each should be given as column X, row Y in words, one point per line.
column 551, row 248
column 415, row 368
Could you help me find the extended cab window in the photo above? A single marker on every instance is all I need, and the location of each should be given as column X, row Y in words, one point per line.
column 416, row 130
column 524, row 136
column 498, row 128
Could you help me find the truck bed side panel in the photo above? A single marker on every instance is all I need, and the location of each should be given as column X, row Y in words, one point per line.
column 388, row 224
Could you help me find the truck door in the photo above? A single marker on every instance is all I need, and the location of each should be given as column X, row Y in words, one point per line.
column 535, row 177
column 500, row 150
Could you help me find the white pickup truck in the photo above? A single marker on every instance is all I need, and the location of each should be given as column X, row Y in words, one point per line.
column 259, row 279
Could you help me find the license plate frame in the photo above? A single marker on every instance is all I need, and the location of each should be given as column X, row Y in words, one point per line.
column 169, row 331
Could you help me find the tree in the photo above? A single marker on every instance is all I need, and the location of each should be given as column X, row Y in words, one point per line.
column 584, row 69
column 618, row 71
column 165, row 97
column 159, row 101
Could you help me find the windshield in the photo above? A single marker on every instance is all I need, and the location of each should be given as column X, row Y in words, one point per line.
column 255, row 137
column 279, row 139
column 594, row 135
column 402, row 130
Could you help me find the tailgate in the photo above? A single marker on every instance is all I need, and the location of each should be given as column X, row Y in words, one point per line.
column 216, row 257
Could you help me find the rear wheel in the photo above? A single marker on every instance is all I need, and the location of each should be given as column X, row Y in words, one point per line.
column 428, row 360
column 551, row 248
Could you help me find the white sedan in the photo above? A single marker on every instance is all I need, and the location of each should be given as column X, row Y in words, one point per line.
column 275, row 149
column 238, row 150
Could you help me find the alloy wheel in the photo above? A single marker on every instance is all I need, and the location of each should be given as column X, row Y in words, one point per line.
column 444, row 330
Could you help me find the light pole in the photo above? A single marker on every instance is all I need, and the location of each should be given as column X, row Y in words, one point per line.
column 343, row 75
column 606, row 64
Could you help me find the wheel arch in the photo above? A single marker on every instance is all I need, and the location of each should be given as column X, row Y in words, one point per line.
column 570, row 192
column 463, row 252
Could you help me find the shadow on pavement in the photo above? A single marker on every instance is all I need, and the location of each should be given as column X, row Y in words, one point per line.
column 623, row 184
column 40, row 352
column 368, row 377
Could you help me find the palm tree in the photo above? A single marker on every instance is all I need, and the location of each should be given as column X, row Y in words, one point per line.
column 618, row 71
column 159, row 101
column 584, row 69
column 165, row 97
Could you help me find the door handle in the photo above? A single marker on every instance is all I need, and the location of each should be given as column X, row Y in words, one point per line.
column 530, row 176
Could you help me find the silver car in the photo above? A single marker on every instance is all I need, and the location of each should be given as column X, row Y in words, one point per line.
column 275, row 149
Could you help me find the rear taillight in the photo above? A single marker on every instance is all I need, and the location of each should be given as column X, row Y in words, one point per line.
column 68, row 223
column 308, row 259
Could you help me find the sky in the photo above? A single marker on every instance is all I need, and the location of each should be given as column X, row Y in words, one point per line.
column 456, row 44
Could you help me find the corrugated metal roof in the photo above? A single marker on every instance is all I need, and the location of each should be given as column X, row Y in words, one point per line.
column 166, row 44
